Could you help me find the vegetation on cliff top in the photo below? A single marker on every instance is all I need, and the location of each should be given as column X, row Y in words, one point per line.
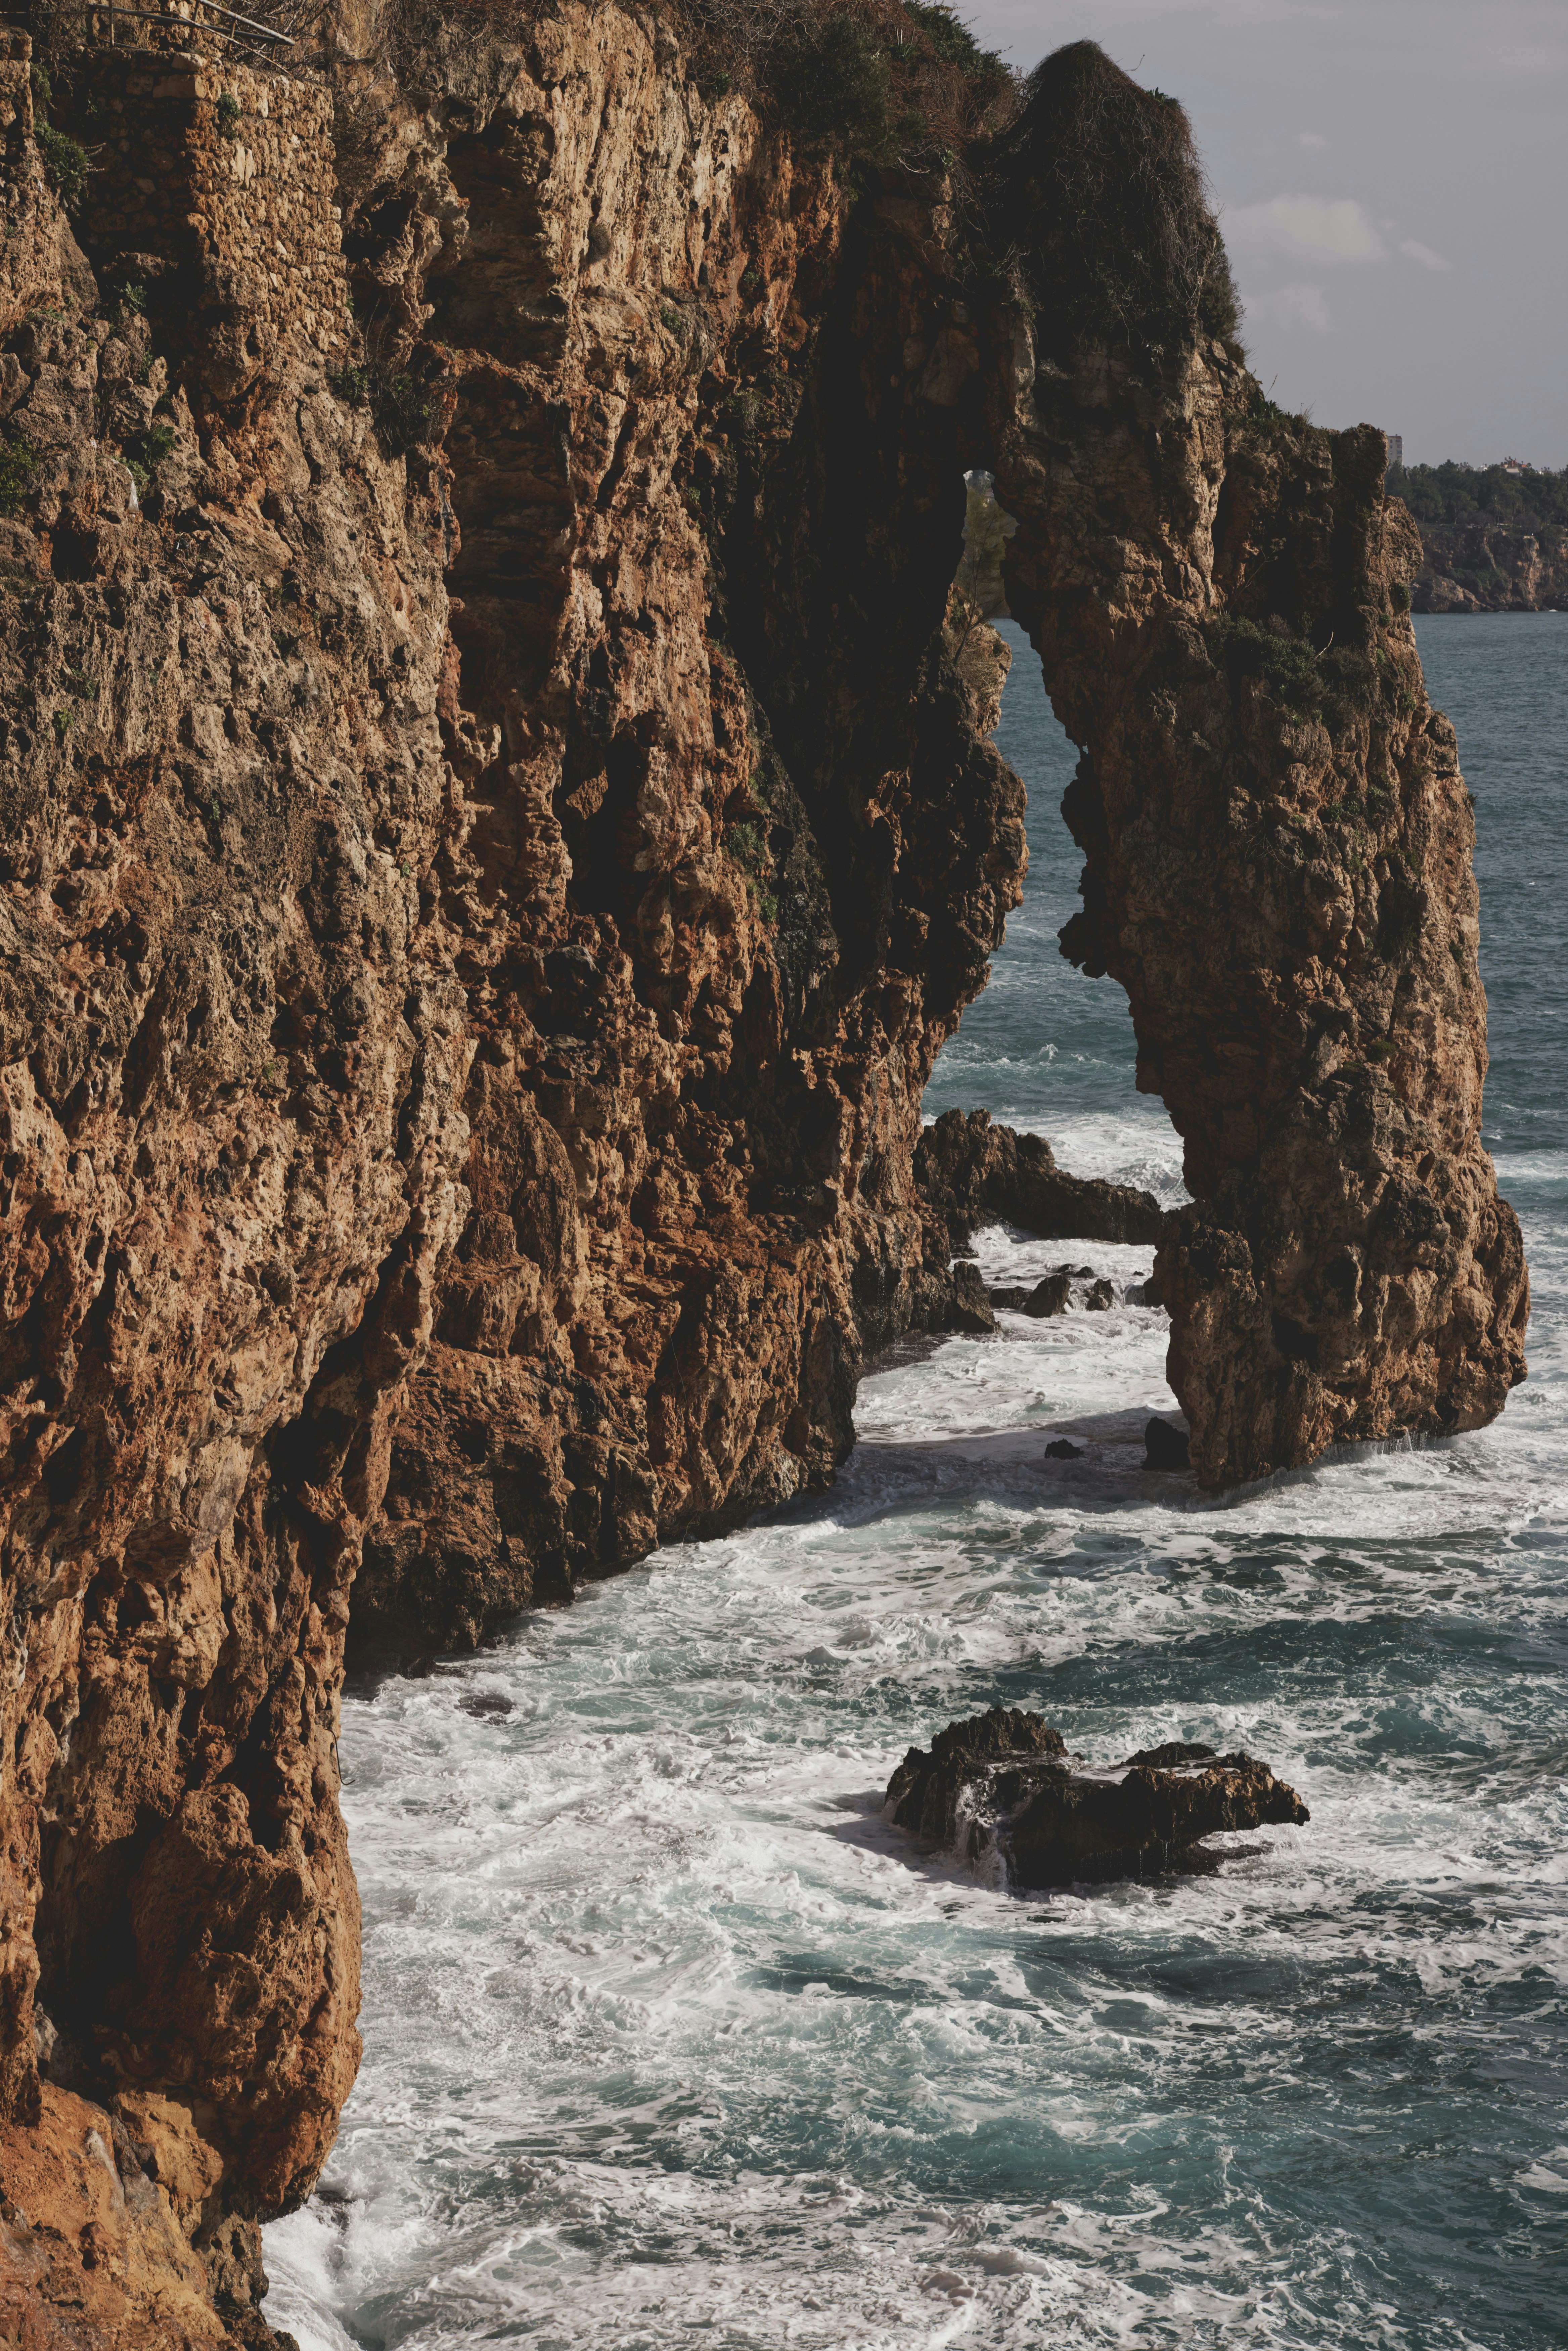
column 1112, row 207
column 1455, row 497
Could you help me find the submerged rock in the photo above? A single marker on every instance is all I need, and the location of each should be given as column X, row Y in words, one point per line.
column 1003, row 1787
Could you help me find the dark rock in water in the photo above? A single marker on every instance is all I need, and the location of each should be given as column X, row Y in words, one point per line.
column 1061, row 1451
column 970, row 1308
column 1101, row 1299
column 487, row 1705
column 1145, row 1293
column 1165, row 1447
column 1002, row 1786
column 1048, row 1297
column 972, row 1172
column 1012, row 1294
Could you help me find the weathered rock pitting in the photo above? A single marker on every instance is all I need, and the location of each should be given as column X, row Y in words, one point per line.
column 1000, row 1792
column 498, row 820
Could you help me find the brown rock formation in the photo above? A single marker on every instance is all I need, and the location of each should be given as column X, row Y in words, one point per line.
column 1002, row 1789
column 969, row 1170
column 463, row 1052
column 1278, row 839
column 1483, row 568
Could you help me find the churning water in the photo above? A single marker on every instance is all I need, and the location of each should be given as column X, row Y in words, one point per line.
column 670, row 2040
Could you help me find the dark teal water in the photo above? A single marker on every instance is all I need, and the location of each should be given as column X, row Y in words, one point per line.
column 670, row 2040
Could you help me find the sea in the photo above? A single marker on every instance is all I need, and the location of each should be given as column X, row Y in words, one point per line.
column 671, row 2038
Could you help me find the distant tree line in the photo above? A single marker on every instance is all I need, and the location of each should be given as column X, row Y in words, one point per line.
column 1450, row 497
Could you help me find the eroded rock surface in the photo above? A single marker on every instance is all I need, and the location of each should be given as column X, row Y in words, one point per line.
column 1277, row 837
column 499, row 819
column 1002, row 1792
column 971, row 1172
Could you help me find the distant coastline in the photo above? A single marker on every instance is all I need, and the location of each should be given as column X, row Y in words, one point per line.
column 1494, row 539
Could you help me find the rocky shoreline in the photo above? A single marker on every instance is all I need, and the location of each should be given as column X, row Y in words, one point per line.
column 497, row 819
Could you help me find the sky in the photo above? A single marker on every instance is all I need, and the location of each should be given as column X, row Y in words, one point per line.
column 1392, row 179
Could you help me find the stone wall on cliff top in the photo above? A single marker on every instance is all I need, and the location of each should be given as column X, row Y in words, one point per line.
column 495, row 835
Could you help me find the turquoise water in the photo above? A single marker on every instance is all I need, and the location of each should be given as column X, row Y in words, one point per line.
column 672, row 2040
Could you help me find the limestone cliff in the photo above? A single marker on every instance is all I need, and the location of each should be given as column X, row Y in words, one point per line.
column 498, row 822
column 1485, row 567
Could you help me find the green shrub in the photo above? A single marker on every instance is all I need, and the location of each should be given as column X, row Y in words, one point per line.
column 351, row 385
column 749, row 849
column 42, row 92
column 673, row 324
column 1284, row 665
column 147, row 450
column 228, row 115
column 833, row 89
column 133, row 299
column 956, row 46
column 1399, row 595
column 18, row 472
column 1109, row 204
column 66, row 165
column 400, row 404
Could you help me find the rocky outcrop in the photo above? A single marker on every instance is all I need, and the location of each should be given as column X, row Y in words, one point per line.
column 1001, row 1793
column 1485, row 567
column 972, row 1172
column 1278, row 841
column 228, row 1090
column 497, row 820
column 987, row 530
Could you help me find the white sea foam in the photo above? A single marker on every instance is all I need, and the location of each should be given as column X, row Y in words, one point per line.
column 672, row 2037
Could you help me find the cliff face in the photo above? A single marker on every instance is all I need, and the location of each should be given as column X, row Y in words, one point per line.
column 1278, row 846
column 498, row 822
column 1481, row 568
column 742, row 850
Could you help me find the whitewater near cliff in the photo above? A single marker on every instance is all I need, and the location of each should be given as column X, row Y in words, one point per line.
column 672, row 2037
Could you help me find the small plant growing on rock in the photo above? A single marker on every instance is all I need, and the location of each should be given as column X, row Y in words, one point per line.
column 746, row 844
column 133, row 301
column 63, row 723
column 228, row 115
column 350, row 384
column 66, row 165
column 673, row 322
column 1284, row 665
column 18, row 472
column 400, row 406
